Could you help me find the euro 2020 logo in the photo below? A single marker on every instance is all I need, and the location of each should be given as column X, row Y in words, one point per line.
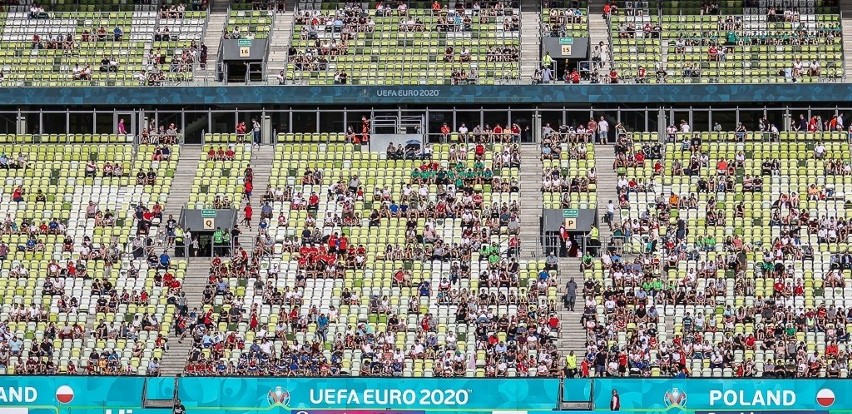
column 278, row 397
column 675, row 398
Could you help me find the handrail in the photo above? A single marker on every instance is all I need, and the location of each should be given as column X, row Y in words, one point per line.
column 611, row 53
column 206, row 25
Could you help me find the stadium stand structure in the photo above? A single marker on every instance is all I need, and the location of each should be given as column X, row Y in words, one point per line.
column 708, row 43
column 751, row 260
column 84, row 45
column 410, row 44
column 405, row 270
column 725, row 253
column 73, row 205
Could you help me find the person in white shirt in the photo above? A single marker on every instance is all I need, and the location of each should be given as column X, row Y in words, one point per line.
column 684, row 126
column 814, row 69
column 819, row 151
column 603, row 130
column 463, row 130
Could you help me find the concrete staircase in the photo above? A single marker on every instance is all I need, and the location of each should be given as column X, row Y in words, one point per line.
column 572, row 336
column 607, row 181
column 261, row 164
column 599, row 32
column 282, row 33
column 846, row 26
column 217, row 20
column 194, row 281
column 531, row 201
column 530, row 43
column 182, row 182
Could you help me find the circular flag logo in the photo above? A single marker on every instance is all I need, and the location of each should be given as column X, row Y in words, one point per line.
column 64, row 394
column 825, row 397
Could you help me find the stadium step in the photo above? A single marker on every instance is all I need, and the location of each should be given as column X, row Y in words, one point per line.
column 281, row 36
column 216, row 22
column 182, row 183
column 572, row 335
column 262, row 158
column 174, row 361
column 846, row 22
column 598, row 31
column 531, row 201
column 607, row 181
column 530, row 43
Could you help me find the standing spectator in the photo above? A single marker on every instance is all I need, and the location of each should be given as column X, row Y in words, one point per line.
column 247, row 189
column 203, row 58
column 571, row 297
column 603, row 130
column 247, row 217
column 255, row 125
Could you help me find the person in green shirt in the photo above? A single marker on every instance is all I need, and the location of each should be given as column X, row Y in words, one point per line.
column 587, row 261
column 594, row 236
column 488, row 174
column 442, row 175
column 219, row 236
column 570, row 365
column 547, row 60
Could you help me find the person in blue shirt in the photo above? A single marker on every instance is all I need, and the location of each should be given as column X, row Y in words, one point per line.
column 117, row 33
column 425, row 288
column 31, row 244
column 322, row 326
column 165, row 261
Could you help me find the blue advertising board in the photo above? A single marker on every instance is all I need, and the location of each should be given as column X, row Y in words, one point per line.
column 717, row 395
column 67, row 395
column 125, row 395
column 316, row 395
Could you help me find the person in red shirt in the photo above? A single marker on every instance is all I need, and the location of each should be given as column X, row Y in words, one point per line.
column 211, row 154
column 445, row 131
column 641, row 76
column 592, row 127
column 247, row 188
column 516, row 132
column 553, row 322
column 247, row 218
column 832, row 350
column 342, row 245
column 332, row 243
column 613, row 76
column 18, row 194
column 229, row 154
column 313, row 202
column 713, row 53
column 220, row 155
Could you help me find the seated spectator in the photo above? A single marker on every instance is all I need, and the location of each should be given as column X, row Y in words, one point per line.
column 18, row 194
column 101, row 34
